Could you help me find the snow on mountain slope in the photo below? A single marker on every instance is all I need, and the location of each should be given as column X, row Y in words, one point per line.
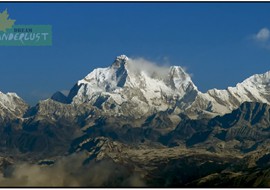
column 11, row 106
column 254, row 89
column 135, row 87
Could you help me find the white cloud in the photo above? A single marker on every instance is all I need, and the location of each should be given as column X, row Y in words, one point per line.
column 70, row 171
column 150, row 68
column 263, row 35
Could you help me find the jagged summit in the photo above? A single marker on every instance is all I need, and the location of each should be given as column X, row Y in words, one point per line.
column 120, row 61
column 121, row 58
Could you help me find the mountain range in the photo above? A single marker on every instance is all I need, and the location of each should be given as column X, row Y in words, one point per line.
column 149, row 122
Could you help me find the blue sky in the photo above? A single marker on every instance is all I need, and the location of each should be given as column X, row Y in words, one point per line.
column 219, row 43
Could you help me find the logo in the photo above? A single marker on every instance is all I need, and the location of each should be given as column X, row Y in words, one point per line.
column 23, row 35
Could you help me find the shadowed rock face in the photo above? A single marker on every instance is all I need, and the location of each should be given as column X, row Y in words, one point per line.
column 251, row 121
column 250, row 112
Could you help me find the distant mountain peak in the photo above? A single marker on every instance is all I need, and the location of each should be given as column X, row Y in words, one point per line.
column 11, row 105
column 59, row 97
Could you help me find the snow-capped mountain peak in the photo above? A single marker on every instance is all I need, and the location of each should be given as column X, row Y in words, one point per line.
column 135, row 83
column 11, row 105
column 261, row 81
column 254, row 89
column 181, row 79
column 107, row 79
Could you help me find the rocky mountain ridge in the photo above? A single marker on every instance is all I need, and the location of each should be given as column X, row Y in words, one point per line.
column 122, row 87
column 129, row 90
